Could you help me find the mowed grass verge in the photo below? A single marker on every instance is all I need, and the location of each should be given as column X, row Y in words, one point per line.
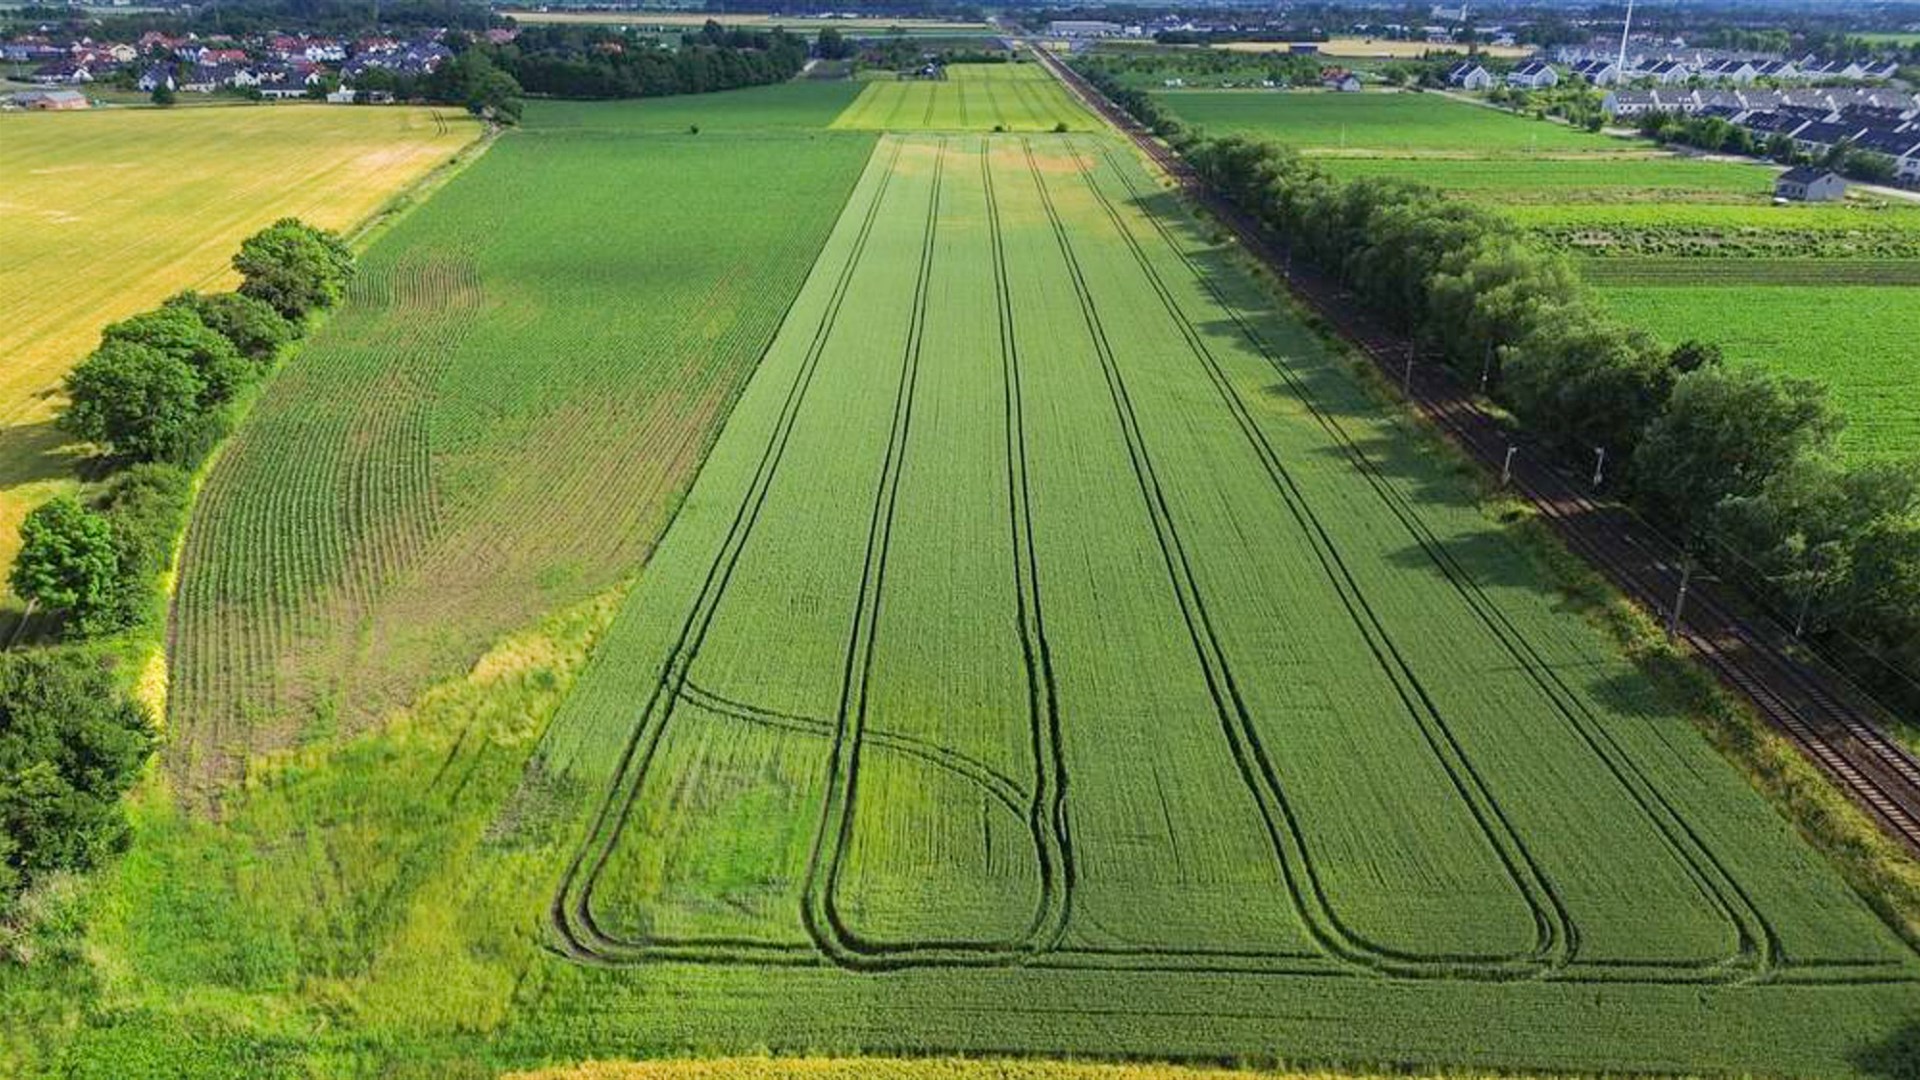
column 496, row 422
column 106, row 213
column 973, row 97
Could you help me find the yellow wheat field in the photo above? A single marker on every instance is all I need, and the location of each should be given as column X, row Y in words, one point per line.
column 106, row 213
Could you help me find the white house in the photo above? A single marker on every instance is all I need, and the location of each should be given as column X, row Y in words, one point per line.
column 1808, row 184
column 1533, row 75
column 1598, row 72
column 1468, row 75
column 1665, row 72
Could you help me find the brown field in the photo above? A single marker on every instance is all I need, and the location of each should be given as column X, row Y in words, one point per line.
column 107, row 212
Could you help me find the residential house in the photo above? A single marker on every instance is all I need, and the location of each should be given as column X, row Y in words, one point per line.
column 1808, row 184
column 157, row 76
column 62, row 71
column 1597, row 71
column 1664, row 72
column 1533, row 75
column 1468, row 75
column 1737, row 72
column 1341, row 80
column 1082, row 28
column 1821, row 136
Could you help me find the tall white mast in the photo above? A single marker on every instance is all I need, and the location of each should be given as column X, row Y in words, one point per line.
column 1625, row 29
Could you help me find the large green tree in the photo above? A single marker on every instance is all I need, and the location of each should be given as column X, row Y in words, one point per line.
column 294, row 267
column 253, row 326
column 134, row 399
column 68, row 563
column 179, row 332
column 1724, row 433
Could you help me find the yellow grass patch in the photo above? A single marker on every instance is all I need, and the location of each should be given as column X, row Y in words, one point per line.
column 1358, row 48
column 106, row 213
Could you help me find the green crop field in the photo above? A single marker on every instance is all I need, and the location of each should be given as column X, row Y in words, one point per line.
column 939, row 604
column 1563, row 180
column 973, row 97
column 1380, row 122
column 498, row 435
column 1857, row 339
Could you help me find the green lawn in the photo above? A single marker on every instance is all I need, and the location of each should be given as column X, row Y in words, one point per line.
column 1857, row 339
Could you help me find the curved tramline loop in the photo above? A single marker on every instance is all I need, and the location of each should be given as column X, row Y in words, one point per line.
column 1758, row 949
column 1557, row 939
column 572, row 914
column 1550, row 491
column 820, row 911
column 1304, row 887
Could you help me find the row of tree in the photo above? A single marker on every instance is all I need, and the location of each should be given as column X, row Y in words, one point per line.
column 1739, row 462
column 155, row 398
column 602, row 62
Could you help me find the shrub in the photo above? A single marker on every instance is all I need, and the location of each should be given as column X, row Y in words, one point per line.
column 71, row 744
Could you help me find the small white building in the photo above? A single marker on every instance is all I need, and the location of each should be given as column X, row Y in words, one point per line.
column 1533, row 75
column 1598, row 72
column 1808, row 184
column 1468, row 75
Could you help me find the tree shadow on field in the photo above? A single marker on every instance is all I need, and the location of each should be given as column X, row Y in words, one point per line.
column 34, row 453
column 1897, row 1057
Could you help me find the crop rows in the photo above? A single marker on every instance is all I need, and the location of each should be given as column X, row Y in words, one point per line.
column 474, row 438
column 1104, row 643
column 973, row 97
column 1856, row 339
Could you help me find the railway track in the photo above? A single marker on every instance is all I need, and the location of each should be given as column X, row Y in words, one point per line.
column 1812, row 707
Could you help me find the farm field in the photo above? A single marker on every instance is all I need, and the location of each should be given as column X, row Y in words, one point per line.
column 1379, row 122
column 1047, row 643
column 756, row 20
column 1858, row 339
column 1364, row 48
column 106, row 213
column 1570, row 178
column 1057, row 644
column 973, row 97
column 478, row 436
column 1687, row 247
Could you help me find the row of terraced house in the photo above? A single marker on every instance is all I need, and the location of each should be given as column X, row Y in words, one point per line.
column 1879, row 121
column 274, row 65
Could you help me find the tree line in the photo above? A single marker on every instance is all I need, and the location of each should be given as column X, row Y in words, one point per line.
column 155, row 397
column 603, row 62
column 1739, row 462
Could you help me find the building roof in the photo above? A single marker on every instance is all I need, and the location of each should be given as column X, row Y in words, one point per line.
column 1804, row 174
